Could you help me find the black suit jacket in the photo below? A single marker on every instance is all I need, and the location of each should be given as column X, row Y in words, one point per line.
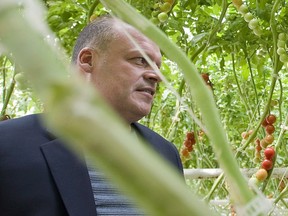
column 40, row 177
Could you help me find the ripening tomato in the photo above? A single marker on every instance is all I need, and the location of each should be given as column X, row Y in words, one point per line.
column 264, row 143
column 269, row 153
column 258, row 148
column 185, row 152
column 261, row 174
column 267, row 164
column 245, row 135
column 269, row 139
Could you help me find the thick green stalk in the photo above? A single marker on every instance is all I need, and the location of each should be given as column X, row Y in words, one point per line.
column 240, row 191
column 76, row 113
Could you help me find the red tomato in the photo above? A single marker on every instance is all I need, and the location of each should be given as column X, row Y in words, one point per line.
column 188, row 143
column 190, row 135
column 267, row 164
column 269, row 153
column 264, row 123
column 190, row 148
column 271, row 119
column 270, row 129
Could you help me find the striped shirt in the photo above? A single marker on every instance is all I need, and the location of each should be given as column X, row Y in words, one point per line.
column 108, row 199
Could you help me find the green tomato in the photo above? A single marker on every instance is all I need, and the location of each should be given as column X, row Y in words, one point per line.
column 166, row 7
column 155, row 13
column 243, row 9
column 253, row 24
column 169, row 1
column 284, row 58
column 282, row 36
column 257, row 31
column 281, row 44
column 155, row 20
column 281, row 51
column 237, row 3
column 248, row 17
column 162, row 17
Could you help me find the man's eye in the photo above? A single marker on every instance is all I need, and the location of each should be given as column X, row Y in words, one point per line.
column 141, row 61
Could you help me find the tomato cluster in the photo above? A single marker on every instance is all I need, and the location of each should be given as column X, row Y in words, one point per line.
column 269, row 152
column 281, row 48
column 188, row 145
column 161, row 10
column 253, row 23
column 268, row 124
column 266, row 166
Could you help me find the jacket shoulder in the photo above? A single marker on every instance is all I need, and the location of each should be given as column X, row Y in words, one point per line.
column 22, row 129
column 165, row 148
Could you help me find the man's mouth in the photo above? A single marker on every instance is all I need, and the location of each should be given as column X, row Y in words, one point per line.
column 149, row 90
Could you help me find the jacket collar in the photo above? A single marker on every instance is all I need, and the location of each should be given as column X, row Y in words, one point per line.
column 71, row 178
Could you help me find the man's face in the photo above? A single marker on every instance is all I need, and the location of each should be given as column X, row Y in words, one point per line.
column 124, row 77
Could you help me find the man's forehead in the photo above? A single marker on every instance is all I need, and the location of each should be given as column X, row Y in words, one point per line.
column 124, row 29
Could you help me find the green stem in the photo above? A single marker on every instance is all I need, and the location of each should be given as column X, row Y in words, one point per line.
column 237, row 83
column 281, row 195
column 91, row 10
column 252, row 79
column 8, row 94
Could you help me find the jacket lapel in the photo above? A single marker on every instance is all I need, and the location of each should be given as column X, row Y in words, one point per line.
column 71, row 177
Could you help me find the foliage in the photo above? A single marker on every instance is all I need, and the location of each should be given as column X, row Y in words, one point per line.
column 248, row 78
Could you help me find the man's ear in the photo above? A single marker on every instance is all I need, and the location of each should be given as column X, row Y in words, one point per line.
column 85, row 60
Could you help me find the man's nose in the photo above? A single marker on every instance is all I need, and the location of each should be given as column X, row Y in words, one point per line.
column 153, row 76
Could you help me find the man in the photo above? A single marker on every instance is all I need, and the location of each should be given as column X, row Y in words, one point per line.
column 39, row 176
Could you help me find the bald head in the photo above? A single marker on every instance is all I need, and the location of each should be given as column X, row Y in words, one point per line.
column 98, row 34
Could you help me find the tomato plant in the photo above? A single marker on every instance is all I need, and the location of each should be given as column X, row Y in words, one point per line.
column 248, row 73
